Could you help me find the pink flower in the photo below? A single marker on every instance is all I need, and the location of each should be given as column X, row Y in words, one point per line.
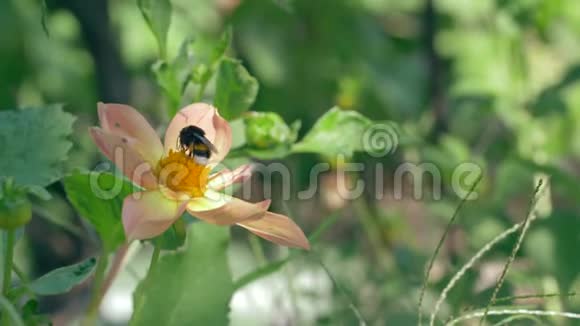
column 174, row 182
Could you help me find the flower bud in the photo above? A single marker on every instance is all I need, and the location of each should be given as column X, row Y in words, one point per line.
column 267, row 130
column 15, row 208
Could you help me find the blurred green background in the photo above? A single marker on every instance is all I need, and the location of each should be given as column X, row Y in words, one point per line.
column 493, row 82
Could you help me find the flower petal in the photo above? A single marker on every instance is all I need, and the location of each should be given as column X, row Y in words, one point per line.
column 223, row 138
column 121, row 151
column 217, row 130
column 226, row 210
column 227, row 177
column 125, row 121
column 148, row 214
column 279, row 229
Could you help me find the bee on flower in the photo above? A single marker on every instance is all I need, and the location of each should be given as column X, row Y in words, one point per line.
column 176, row 176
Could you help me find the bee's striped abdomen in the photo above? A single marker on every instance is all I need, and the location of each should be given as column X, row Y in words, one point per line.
column 201, row 153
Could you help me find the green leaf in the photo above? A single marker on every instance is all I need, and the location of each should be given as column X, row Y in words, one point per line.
column 195, row 62
column 61, row 280
column 274, row 153
column 189, row 287
column 98, row 198
column 157, row 14
column 208, row 52
column 236, row 89
column 34, row 145
column 238, row 133
column 340, row 132
column 31, row 314
column 167, row 78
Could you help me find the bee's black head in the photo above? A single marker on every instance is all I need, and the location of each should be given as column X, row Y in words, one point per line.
column 191, row 131
column 189, row 134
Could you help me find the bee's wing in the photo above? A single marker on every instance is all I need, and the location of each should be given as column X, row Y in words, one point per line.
column 206, row 143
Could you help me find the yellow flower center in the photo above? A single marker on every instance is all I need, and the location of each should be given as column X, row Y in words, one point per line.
column 180, row 173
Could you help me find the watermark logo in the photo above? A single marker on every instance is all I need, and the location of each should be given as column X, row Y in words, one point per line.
column 381, row 139
column 420, row 179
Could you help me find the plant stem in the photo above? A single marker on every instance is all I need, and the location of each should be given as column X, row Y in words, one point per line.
column 114, row 270
column 9, row 255
column 95, row 302
column 200, row 92
column 257, row 250
column 139, row 300
column 9, row 313
column 20, row 274
column 372, row 229
column 154, row 259
column 342, row 291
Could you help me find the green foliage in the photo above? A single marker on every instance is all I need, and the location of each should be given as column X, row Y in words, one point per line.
column 173, row 78
column 267, row 129
column 157, row 14
column 236, row 89
column 15, row 208
column 195, row 62
column 31, row 314
column 208, row 53
column 34, row 145
column 62, row 280
column 337, row 132
column 98, row 197
column 267, row 136
column 553, row 245
column 188, row 287
column 493, row 84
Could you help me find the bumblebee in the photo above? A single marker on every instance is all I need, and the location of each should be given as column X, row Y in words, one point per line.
column 192, row 141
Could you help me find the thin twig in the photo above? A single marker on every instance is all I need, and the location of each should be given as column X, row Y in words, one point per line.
column 439, row 245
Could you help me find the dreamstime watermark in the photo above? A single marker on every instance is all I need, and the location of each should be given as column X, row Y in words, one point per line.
column 425, row 179
column 381, row 139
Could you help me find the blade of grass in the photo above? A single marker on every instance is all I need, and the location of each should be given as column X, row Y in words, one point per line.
column 467, row 266
column 326, row 224
column 343, row 293
column 526, row 312
column 260, row 272
column 470, row 264
column 276, row 265
column 439, row 245
column 524, row 228
column 534, row 296
column 507, row 321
